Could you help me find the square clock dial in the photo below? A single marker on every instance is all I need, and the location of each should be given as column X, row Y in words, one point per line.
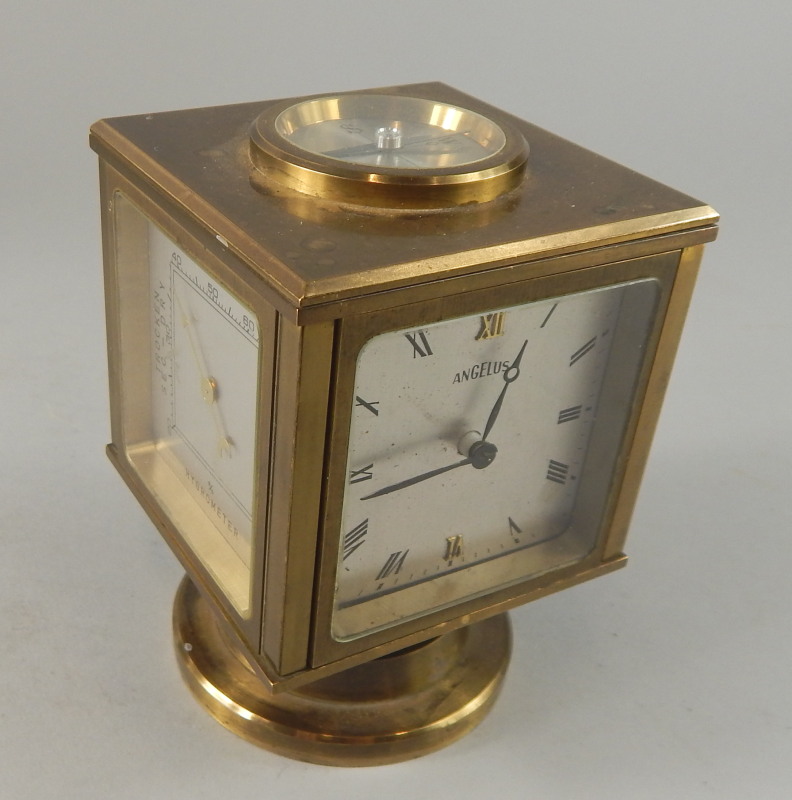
column 481, row 449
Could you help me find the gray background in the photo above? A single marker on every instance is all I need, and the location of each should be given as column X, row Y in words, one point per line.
column 670, row 679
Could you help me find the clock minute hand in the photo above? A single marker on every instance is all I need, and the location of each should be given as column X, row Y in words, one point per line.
column 417, row 479
column 480, row 455
column 509, row 376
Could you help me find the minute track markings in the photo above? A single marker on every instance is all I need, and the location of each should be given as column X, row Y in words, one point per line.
column 423, row 443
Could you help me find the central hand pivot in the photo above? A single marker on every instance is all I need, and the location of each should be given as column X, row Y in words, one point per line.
column 482, row 454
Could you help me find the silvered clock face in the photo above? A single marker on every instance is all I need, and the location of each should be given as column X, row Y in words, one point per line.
column 481, row 450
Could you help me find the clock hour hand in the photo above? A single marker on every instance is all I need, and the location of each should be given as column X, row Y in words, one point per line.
column 480, row 455
column 509, row 376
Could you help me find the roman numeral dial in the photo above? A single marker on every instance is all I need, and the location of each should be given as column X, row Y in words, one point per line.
column 469, row 440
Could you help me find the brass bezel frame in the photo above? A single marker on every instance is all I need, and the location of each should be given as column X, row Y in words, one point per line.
column 387, row 187
column 287, row 457
column 129, row 366
column 356, row 331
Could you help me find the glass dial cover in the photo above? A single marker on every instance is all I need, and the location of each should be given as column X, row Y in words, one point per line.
column 389, row 150
column 404, row 133
column 192, row 438
column 481, row 450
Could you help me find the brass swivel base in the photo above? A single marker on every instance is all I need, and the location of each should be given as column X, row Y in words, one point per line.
column 388, row 710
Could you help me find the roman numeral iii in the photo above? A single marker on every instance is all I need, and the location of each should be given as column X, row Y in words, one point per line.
column 569, row 414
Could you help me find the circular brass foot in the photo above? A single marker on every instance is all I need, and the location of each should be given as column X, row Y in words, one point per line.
column 388, row 710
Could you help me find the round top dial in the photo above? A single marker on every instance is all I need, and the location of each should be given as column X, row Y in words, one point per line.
column 405, row 133
column 388, row 150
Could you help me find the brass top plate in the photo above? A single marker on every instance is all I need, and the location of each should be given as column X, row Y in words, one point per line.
column 311, row 252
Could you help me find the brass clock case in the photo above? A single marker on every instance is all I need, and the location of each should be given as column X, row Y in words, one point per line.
column 324, row 252
column 383, row 711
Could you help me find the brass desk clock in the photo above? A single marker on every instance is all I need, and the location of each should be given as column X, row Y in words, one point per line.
column 383, row 365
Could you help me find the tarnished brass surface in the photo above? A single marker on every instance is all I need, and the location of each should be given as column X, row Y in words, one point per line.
column 388, row 710
column 314, row 252
column 323, row 275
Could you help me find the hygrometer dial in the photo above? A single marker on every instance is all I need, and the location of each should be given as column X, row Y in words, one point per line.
column 193, row 440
